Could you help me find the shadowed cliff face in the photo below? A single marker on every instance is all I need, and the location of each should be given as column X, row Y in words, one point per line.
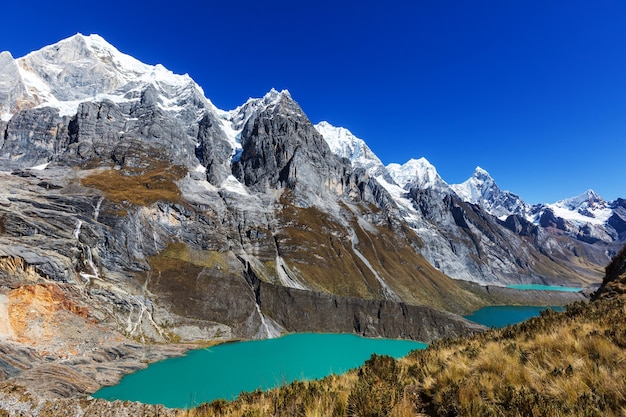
column 614, row 283
column 282, row 149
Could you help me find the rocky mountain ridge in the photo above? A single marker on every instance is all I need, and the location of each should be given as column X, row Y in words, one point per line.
column 586, row 216
column 573, row 219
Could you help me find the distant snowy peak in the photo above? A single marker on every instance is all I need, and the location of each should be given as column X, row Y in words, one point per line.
column 344, row 144
column 88, row 68
column 481, row 189
column 588, row 207
column 417, row 173
column 588, row 200
column 480, row 186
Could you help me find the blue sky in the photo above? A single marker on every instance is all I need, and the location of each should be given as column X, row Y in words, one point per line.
column 532, row 91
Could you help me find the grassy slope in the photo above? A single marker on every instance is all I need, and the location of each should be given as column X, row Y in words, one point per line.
column 321, row 251
column 559, row 364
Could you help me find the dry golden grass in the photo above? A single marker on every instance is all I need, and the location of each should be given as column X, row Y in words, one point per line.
column 569, row 363
column 156, row 183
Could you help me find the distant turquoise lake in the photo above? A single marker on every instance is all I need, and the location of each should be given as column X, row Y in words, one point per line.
column 544, row 287
column 224, row 371
column 502, row 316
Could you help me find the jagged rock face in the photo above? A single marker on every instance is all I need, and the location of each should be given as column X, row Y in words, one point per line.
column 11, row 87
column 103, row 131
column 281, row 148
column 214, row 151
column 618, row 219
column 33, row 137
column 477, row 243
column 109, row 132
column 469, row 240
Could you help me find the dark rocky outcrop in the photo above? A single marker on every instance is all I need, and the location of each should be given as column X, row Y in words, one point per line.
column 214, row 151
column 614, row 282
column 281, row 148
column 618, row 219
column 548, row 219
column 520, row 225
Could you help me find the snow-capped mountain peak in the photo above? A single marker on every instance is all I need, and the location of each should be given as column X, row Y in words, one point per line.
column 482, row 189
column 418, row 173
column 88, row 68
column 587, row 200
column 587, row 207
column 481, row 174
column 273, row 96
column 480, row 186
column 344, row 144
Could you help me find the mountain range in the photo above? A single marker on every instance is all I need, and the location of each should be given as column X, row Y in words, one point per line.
column 133, row 211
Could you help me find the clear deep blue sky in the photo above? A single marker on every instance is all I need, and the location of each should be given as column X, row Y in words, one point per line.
column 532, row 91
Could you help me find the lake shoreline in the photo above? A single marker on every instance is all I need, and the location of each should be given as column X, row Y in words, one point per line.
column 538, row 299
column 124, row 365
column 226, row 370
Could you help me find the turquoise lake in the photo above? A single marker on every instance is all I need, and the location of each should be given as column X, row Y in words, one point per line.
column 224, row 371
column 544, row 287
column 502, row 316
